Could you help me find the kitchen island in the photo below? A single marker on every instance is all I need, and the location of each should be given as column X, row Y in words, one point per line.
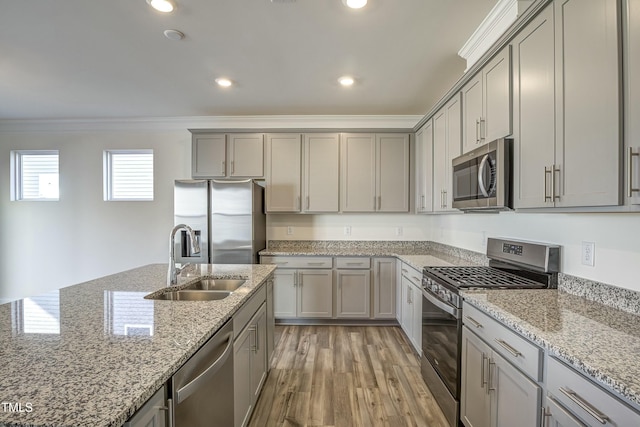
column 105, row 350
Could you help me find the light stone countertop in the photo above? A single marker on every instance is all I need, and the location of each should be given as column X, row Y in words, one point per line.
column 85, row 371
column 601, row 341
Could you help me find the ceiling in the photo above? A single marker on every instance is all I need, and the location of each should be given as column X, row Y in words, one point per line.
column 79, row 59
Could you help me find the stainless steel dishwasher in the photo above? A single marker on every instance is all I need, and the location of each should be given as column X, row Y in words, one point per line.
column 202, row 389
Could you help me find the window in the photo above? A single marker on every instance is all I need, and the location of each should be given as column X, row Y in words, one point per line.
column 128, row 175
column 34, row 175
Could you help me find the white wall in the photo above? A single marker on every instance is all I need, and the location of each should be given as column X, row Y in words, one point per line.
column 331, row 227
column 617, row 239
column 49, row 245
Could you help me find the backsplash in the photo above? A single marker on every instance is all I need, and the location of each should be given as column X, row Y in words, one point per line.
column 613, row 296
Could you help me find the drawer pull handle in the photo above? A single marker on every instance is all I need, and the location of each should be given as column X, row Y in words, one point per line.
column 404, row 270
column 315, row 263
column 507, row 347
column 474, row 322
column 602, row 418
column 355, row 263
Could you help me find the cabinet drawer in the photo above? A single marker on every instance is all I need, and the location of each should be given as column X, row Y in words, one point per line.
column 412, row 274
column 353, row 262
column 592, row 404
column 522, row 353
column 298, row 261
column 248, row 309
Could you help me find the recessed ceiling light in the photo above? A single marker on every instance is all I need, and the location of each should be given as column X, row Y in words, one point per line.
column 173, row 34
column 224, row 82
column 355, row 4
column 346, row 81
column 165, row 6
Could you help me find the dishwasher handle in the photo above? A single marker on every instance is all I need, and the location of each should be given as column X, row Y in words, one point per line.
column 188, row 389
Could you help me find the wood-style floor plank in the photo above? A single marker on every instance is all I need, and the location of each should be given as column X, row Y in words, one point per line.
column 345, row 376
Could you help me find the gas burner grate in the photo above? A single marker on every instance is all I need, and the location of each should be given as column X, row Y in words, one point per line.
column 481, row 277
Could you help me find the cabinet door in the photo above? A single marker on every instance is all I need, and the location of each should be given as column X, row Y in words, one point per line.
column 258, row 353
column 440, row 156
column 534, row 106
column 424, row 168
column 407, row 310
column 208, row 156
column 353, row 297
column 284, row 293
column 587, row 166
column 454, row 145
column 151, row 414
column 358, row 178
column 632, row 83
column 246, row 155
column 496, row 120
column 392, row 173
column 321, row 186
column 515, row 399
column 384, row 288
column 315, row 293
column 270, row 322
column 416, row 318
column 557, row 416
column 472, row 113
column 283, row 172
column 474, row 395
column 242, row 392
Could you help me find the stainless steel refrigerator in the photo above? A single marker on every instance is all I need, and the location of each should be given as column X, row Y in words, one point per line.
column 227, row 216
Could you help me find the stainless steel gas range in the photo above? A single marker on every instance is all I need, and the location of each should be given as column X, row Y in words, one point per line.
column 513, row 264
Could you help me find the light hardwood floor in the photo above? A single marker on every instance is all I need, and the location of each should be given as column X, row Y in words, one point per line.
column 345, row 376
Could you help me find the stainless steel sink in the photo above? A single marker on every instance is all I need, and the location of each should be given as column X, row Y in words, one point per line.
column 191, row 295
column 202, row 290
column 216, row 284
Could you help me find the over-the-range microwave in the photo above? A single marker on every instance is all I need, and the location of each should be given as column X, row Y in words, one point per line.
column 483, row 178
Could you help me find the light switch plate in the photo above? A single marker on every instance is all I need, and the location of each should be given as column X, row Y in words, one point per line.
column 289, row 230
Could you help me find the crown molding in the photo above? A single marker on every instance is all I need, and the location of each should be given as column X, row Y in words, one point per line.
column 212, row 122
column 499, row 19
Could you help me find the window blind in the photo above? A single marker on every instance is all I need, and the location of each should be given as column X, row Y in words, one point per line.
column 130, row 175
column 38, row 175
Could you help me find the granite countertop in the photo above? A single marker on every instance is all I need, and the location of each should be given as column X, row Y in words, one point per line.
column 103, row 350
column 601, row 341
column 416, row 254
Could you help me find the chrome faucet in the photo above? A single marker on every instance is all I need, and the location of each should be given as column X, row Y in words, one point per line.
column 172, row 274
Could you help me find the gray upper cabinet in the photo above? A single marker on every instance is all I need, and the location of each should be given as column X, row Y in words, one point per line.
column 486, row 103
column 321, row 172
column 227, row 156
column 632, row 84
column 567, row 131
column 375, row 173
column 424, row 168
column 587, row 166
column 534, row 109
column 446, row 146
column 284, row 167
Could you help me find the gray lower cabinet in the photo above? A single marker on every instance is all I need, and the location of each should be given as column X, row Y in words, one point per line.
column 249, row 366
column 353, row 298
column 384, row 288
column 494, row 392
column 270, row 321
column 411, row 305
column 314, row 293
column 153, row 413
column 556, row 416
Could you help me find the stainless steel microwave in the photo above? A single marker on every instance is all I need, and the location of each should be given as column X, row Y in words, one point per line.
column 483, row 178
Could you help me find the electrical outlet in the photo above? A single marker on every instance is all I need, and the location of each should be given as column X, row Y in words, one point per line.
column 347, row 230
column 289, row 230
column 589, row 253
column 399, row 231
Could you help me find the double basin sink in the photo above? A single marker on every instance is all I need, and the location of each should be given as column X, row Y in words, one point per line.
column 202, row 290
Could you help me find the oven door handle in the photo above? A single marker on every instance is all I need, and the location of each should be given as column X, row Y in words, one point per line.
column 441, row 304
